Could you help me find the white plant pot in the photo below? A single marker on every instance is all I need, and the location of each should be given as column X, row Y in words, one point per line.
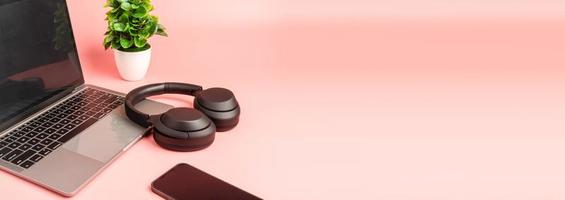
column 132, row 65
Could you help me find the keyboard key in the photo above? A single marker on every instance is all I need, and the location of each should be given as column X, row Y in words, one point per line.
column 24, row 147
column 62, row 131
column 38, row 147
column 65, row 121
column 10, row 156
column 45, row 152
column 68, row 111
column 42, row 136
column 47, row 124
column 20, row 159
column 27, row 164
column 57, row 126
column 34, row 124
column 54, row 136
column 57, row 111
column 39, row 129
column 14, row 145
column 33, row 141
column 50, row 130
column 55, row 120
column 31, row 134
column 46, row 142
column 70, row 126
column 23, row 140
column 83, row 117
column 77, row 122
column 79, row 113
column 54, row 145
column 4, row 151
column 35, row 158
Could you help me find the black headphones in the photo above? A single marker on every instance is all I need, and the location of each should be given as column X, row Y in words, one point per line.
column 186, row 129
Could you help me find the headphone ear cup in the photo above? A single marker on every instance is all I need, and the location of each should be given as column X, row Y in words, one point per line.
column 183, row 145
column 183, row 129
column 220, row 105
column 224, row 121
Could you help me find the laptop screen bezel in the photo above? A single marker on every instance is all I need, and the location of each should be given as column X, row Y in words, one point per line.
column 55, row 97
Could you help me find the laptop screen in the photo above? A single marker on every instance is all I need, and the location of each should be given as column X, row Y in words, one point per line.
column 38, row 57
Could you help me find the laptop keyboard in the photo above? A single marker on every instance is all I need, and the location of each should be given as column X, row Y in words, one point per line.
column 34, row 140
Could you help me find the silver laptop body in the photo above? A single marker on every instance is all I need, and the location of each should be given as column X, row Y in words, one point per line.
column 39, row 70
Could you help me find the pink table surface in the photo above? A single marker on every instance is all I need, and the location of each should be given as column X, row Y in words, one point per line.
column 345, row 105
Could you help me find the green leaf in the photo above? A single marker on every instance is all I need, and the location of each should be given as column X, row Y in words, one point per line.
column 125, row 6
column 140, row 12
column 161, row 31
column 108, row 38
column 120, row 27
column 116, row 45
column 147, row 7
column 124, row 18
column 153, row 27
column 139, row 42
column 125, row 43
column 107, row 45
column 133, row 32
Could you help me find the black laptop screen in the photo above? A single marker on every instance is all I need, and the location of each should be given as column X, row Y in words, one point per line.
column 38, row 57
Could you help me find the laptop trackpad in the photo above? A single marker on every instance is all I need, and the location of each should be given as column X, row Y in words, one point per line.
column 64, row 170
column 107, row 137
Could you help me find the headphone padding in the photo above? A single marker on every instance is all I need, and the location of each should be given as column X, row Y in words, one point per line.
column 188, row 144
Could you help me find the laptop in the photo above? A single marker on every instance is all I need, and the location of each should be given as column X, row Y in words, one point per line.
column 55, row 130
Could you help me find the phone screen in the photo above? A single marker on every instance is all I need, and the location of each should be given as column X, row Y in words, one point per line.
column 187, row 182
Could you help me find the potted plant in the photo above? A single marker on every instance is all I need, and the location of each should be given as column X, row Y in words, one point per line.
column 129, row 27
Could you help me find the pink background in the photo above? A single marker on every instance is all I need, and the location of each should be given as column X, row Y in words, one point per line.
column 357, row 99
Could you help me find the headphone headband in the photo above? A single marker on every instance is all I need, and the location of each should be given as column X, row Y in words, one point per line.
column 140, row 93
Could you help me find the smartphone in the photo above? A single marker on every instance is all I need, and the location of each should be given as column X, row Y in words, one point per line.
column 187, row 182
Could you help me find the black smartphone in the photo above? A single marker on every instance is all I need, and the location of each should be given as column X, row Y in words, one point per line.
column 187, row 182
